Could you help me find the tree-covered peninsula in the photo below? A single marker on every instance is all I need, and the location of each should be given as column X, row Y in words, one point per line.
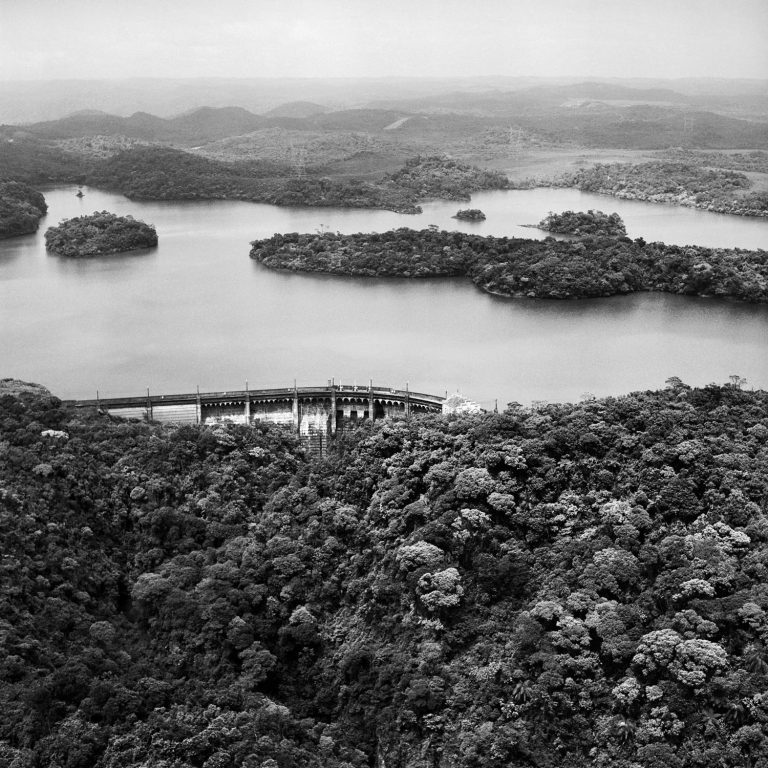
column 162, row 173
column 440, row 177
column 21, row 208
column 661, row 181
column 98, row 234
column 586, row 267
column 584, row 223
column 579, row 585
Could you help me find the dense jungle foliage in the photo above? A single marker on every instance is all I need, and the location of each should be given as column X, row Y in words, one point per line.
column 98, row 234
column 587, row 267
column 692, row 185
column 584, row 223
column 579, row 585
column 21, row 209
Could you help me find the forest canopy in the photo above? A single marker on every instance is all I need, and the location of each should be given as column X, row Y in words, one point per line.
column 579, row 585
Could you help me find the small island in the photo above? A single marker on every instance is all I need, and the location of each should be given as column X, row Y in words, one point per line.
column 99, row 234
column 21, row 208
column 469, row 214
column 592, row 223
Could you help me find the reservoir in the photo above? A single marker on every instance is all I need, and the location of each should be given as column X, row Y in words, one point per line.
column 197, row 311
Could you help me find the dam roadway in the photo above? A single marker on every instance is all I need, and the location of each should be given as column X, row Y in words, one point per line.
column 312, row 412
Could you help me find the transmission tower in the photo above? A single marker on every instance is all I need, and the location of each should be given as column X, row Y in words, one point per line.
column 297, row 157
column 688, row 124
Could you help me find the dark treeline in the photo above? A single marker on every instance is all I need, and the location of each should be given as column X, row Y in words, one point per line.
column 21, row 208
column 579, row 585
column 98, row 234
column 588, row 267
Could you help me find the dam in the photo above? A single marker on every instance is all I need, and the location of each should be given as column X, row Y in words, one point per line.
column 314, row 413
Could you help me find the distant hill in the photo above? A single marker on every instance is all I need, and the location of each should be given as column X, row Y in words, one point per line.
column 87, row 113
column 138, row 126
column 610, row 114
column 34, row 101
column 357, row 119
column 589, row 114
column 297, row 109
column 484, row 103
column 746, row 100
column 649, row 127
column 606, row 92
column 207, row 123
column 24, row 101
column 499, row 102
column 200, row 125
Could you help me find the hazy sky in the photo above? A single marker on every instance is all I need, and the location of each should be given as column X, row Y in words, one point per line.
column 44, row 39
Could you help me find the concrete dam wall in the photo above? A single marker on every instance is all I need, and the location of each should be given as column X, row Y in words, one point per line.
column 315, row 413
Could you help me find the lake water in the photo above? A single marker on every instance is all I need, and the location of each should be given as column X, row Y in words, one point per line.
column 197, row 311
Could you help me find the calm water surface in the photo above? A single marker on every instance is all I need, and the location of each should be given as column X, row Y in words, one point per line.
column 197, row 311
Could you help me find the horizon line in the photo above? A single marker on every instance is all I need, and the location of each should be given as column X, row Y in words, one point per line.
column 380, row 77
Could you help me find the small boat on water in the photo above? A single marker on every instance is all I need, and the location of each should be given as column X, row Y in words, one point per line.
column 79, row 193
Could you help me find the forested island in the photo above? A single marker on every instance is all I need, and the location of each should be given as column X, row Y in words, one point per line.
column 21, row 208
column 98, row 234
column 584, row 268
column 692, row 185
column 579, row 585
column 590, row 222
column 470, row 214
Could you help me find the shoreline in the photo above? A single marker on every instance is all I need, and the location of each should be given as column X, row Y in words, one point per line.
column 516, row 296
